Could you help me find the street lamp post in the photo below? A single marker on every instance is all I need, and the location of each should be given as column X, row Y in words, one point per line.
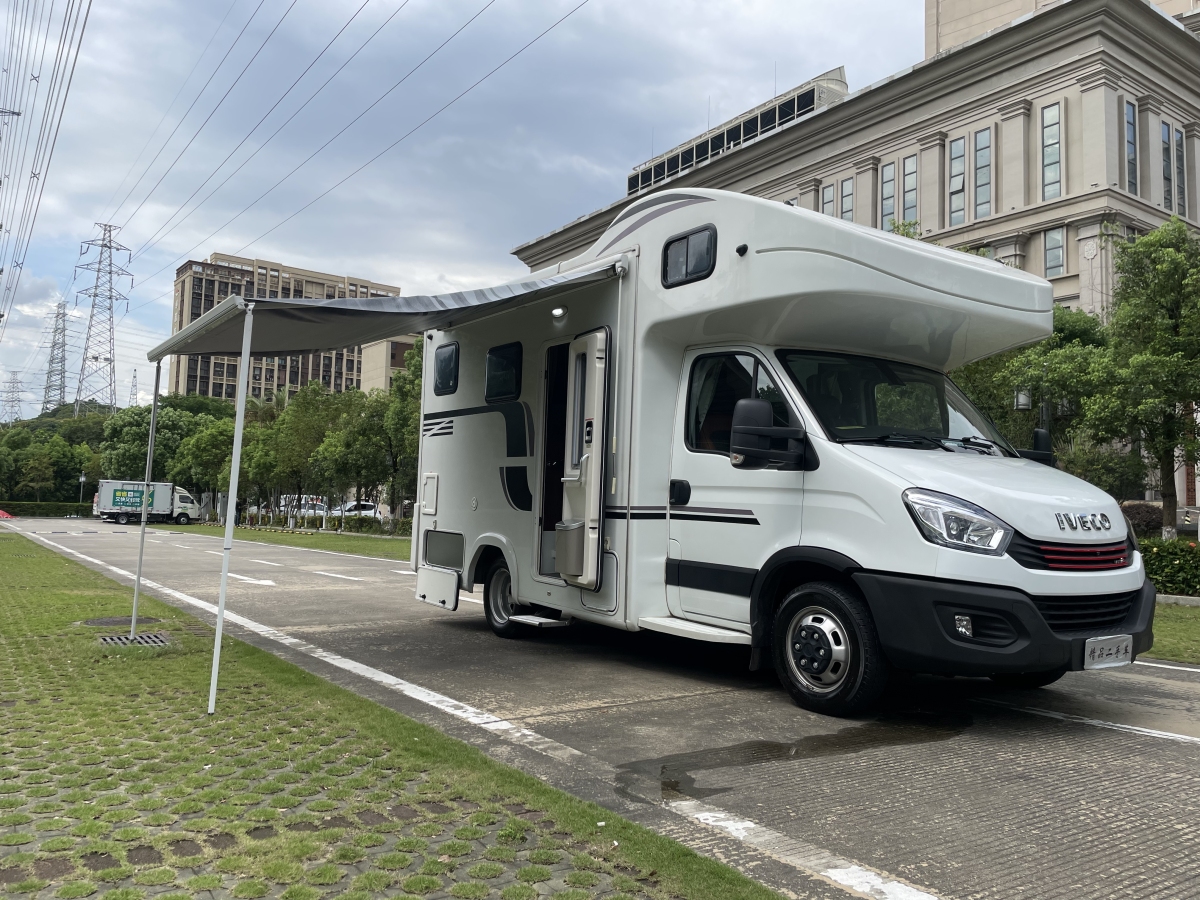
column 82, row 481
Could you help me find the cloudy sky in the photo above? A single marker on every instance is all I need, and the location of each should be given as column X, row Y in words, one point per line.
column 548, row 137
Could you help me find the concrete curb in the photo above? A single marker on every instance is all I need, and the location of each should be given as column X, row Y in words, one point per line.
column 1178, row 600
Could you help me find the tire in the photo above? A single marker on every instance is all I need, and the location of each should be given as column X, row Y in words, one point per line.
column 839, row 668
column 183, row 519
column 122, row 519
column 1028, row 681
column 498, row 603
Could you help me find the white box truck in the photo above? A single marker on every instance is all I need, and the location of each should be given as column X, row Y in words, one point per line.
column 121, row 502
column 746, row 433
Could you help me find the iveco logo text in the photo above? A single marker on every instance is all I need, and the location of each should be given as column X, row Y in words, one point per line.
column 1084, row 522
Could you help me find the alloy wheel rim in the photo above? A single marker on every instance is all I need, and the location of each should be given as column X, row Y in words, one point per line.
column 818, row 650
column 500, row 597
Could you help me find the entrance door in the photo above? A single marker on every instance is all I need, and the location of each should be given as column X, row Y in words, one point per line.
column 725, row 522
column 577, row 534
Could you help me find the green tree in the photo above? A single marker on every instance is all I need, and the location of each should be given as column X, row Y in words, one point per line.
column 127, row 432
column 214, row 407
column 37, row 472
column 302, row 427
column 8, row 472
column 402, row 423
column 203, row 457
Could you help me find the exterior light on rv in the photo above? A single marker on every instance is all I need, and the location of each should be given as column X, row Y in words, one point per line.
column 952, row 522
column 558, row 312
column 1021, row 399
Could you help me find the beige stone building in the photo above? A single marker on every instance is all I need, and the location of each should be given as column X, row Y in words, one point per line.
column 1029, row 131
column 200, row 285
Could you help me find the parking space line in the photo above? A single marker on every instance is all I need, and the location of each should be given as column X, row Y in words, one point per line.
column 262, row 581
column 1157, row 665
column 797, row 854
column 1095, row 723
column 404, row 572
column 336, row 575
column 267, row 562
column 215, row 552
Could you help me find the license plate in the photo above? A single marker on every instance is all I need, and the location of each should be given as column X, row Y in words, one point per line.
column 1107, row 652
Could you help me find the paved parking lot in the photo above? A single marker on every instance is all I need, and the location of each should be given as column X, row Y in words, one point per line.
column 956, row 789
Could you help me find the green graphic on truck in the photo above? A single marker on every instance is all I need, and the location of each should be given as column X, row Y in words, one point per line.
column 126, row 498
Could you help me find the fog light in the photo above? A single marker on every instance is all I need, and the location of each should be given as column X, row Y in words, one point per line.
column 558, row 312
column 962, row 624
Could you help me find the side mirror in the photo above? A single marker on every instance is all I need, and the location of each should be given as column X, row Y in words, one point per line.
column 750, row 440
column 1042, row 451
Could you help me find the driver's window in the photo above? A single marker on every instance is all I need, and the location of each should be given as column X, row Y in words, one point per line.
column 717, row 383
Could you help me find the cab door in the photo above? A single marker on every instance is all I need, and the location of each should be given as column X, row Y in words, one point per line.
column 725, row 522
column 577, row 535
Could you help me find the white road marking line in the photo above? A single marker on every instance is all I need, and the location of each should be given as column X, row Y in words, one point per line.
column 215, row 552
column 335, row 575
column 403, row 572
column 1096, row 723
column 152, row 541
column 792, row 852
column 471, row 600
column 1193, row 669
column 267, row 562
column 263, row 581
column 181, row 546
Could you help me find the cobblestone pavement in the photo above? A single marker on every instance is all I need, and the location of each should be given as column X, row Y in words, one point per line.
column 1088, row 788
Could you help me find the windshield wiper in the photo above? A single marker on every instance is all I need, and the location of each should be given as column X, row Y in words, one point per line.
column 898, row 437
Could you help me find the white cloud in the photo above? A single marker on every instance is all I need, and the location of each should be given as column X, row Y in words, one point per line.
column 548, row 138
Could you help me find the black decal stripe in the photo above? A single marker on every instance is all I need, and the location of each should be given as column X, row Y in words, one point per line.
column 711, row 509
column 732, row 520
column 515, row 480
column 516, row 420
column 661, row 516
column 712, row 577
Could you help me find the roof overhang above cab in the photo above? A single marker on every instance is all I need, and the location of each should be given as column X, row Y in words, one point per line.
column 284, row 326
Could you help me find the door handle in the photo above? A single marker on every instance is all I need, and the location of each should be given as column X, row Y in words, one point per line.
column 582, row 467
column 680, row 492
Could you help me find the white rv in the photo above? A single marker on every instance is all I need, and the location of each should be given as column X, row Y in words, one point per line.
column 739, row 429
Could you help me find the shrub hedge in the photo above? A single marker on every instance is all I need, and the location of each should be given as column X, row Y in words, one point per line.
column 1146, row 518
column 1173, row 566
column 46, row 510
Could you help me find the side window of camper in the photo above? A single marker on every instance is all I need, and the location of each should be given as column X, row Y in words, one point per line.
column 689, row 257
column 718, row 382
column 445, row 369
column 502, row 374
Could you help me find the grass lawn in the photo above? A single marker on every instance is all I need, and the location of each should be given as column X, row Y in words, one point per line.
column 1176, row 633
column 360, row 544
column 114, row 782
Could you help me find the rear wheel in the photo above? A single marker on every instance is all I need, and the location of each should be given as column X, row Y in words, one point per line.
column 499, row 605
column 1027, row 681
column 122, row 519
column 827, row 651
column 183, row 519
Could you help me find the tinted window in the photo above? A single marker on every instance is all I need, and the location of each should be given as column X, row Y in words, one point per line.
column 502, row 376
column 717, row 384
column 445, row 369
column 689, row 257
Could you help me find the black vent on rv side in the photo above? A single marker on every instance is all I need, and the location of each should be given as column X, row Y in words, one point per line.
column 445, row 369
column 689, row 257
column 502, row 374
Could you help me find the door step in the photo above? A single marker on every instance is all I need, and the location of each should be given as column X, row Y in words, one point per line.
column 540, row 621
column 695, row 630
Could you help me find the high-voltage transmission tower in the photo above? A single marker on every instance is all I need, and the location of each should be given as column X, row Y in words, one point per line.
column 10, row 407
column 56, row 375
column 133, row 397
column 98, row 373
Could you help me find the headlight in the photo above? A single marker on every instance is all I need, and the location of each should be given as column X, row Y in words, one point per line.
column 956, row 523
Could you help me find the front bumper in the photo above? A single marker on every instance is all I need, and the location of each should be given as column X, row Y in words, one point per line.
column 915, row 620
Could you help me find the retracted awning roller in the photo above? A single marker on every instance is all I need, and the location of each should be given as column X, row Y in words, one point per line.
column 284, row 326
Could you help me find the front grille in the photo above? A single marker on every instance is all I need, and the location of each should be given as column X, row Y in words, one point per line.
column 1070, row 557
column 1087, row 613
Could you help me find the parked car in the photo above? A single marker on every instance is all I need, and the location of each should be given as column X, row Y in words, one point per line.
column 357, row 508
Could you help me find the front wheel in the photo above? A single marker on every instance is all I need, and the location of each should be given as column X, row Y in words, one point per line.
column 183, row 519
column 827, row 651
column 499, row 605
column 122, row 519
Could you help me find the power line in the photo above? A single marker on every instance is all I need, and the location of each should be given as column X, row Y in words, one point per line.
column 187, row 112
column 170, row 106
column 155, row 237
column 212, row 113
column 334, row 137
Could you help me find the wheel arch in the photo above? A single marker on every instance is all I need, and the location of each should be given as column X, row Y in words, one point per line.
column 784, row 570
column 488, row 548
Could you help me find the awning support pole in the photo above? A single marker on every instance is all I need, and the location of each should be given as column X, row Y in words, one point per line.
column 239, row 422
column 137, row 583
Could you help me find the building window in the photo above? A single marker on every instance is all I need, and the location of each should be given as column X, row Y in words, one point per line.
column 910, row 189
column 1054, row 252
column 847, row 198
column 1168, row 169
column 983, row 173
column 958, row 181
column 827, row 200
column 1131, row 165
column 1180, row 168
column 887, row 194
column 1051, row 153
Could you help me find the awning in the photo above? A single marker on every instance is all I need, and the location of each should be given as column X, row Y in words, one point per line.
column 284, row 326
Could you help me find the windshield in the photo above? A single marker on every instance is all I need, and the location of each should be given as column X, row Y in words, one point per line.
column 858, row 398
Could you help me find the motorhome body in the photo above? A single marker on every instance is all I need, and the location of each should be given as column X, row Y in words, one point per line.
column 742, row 433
